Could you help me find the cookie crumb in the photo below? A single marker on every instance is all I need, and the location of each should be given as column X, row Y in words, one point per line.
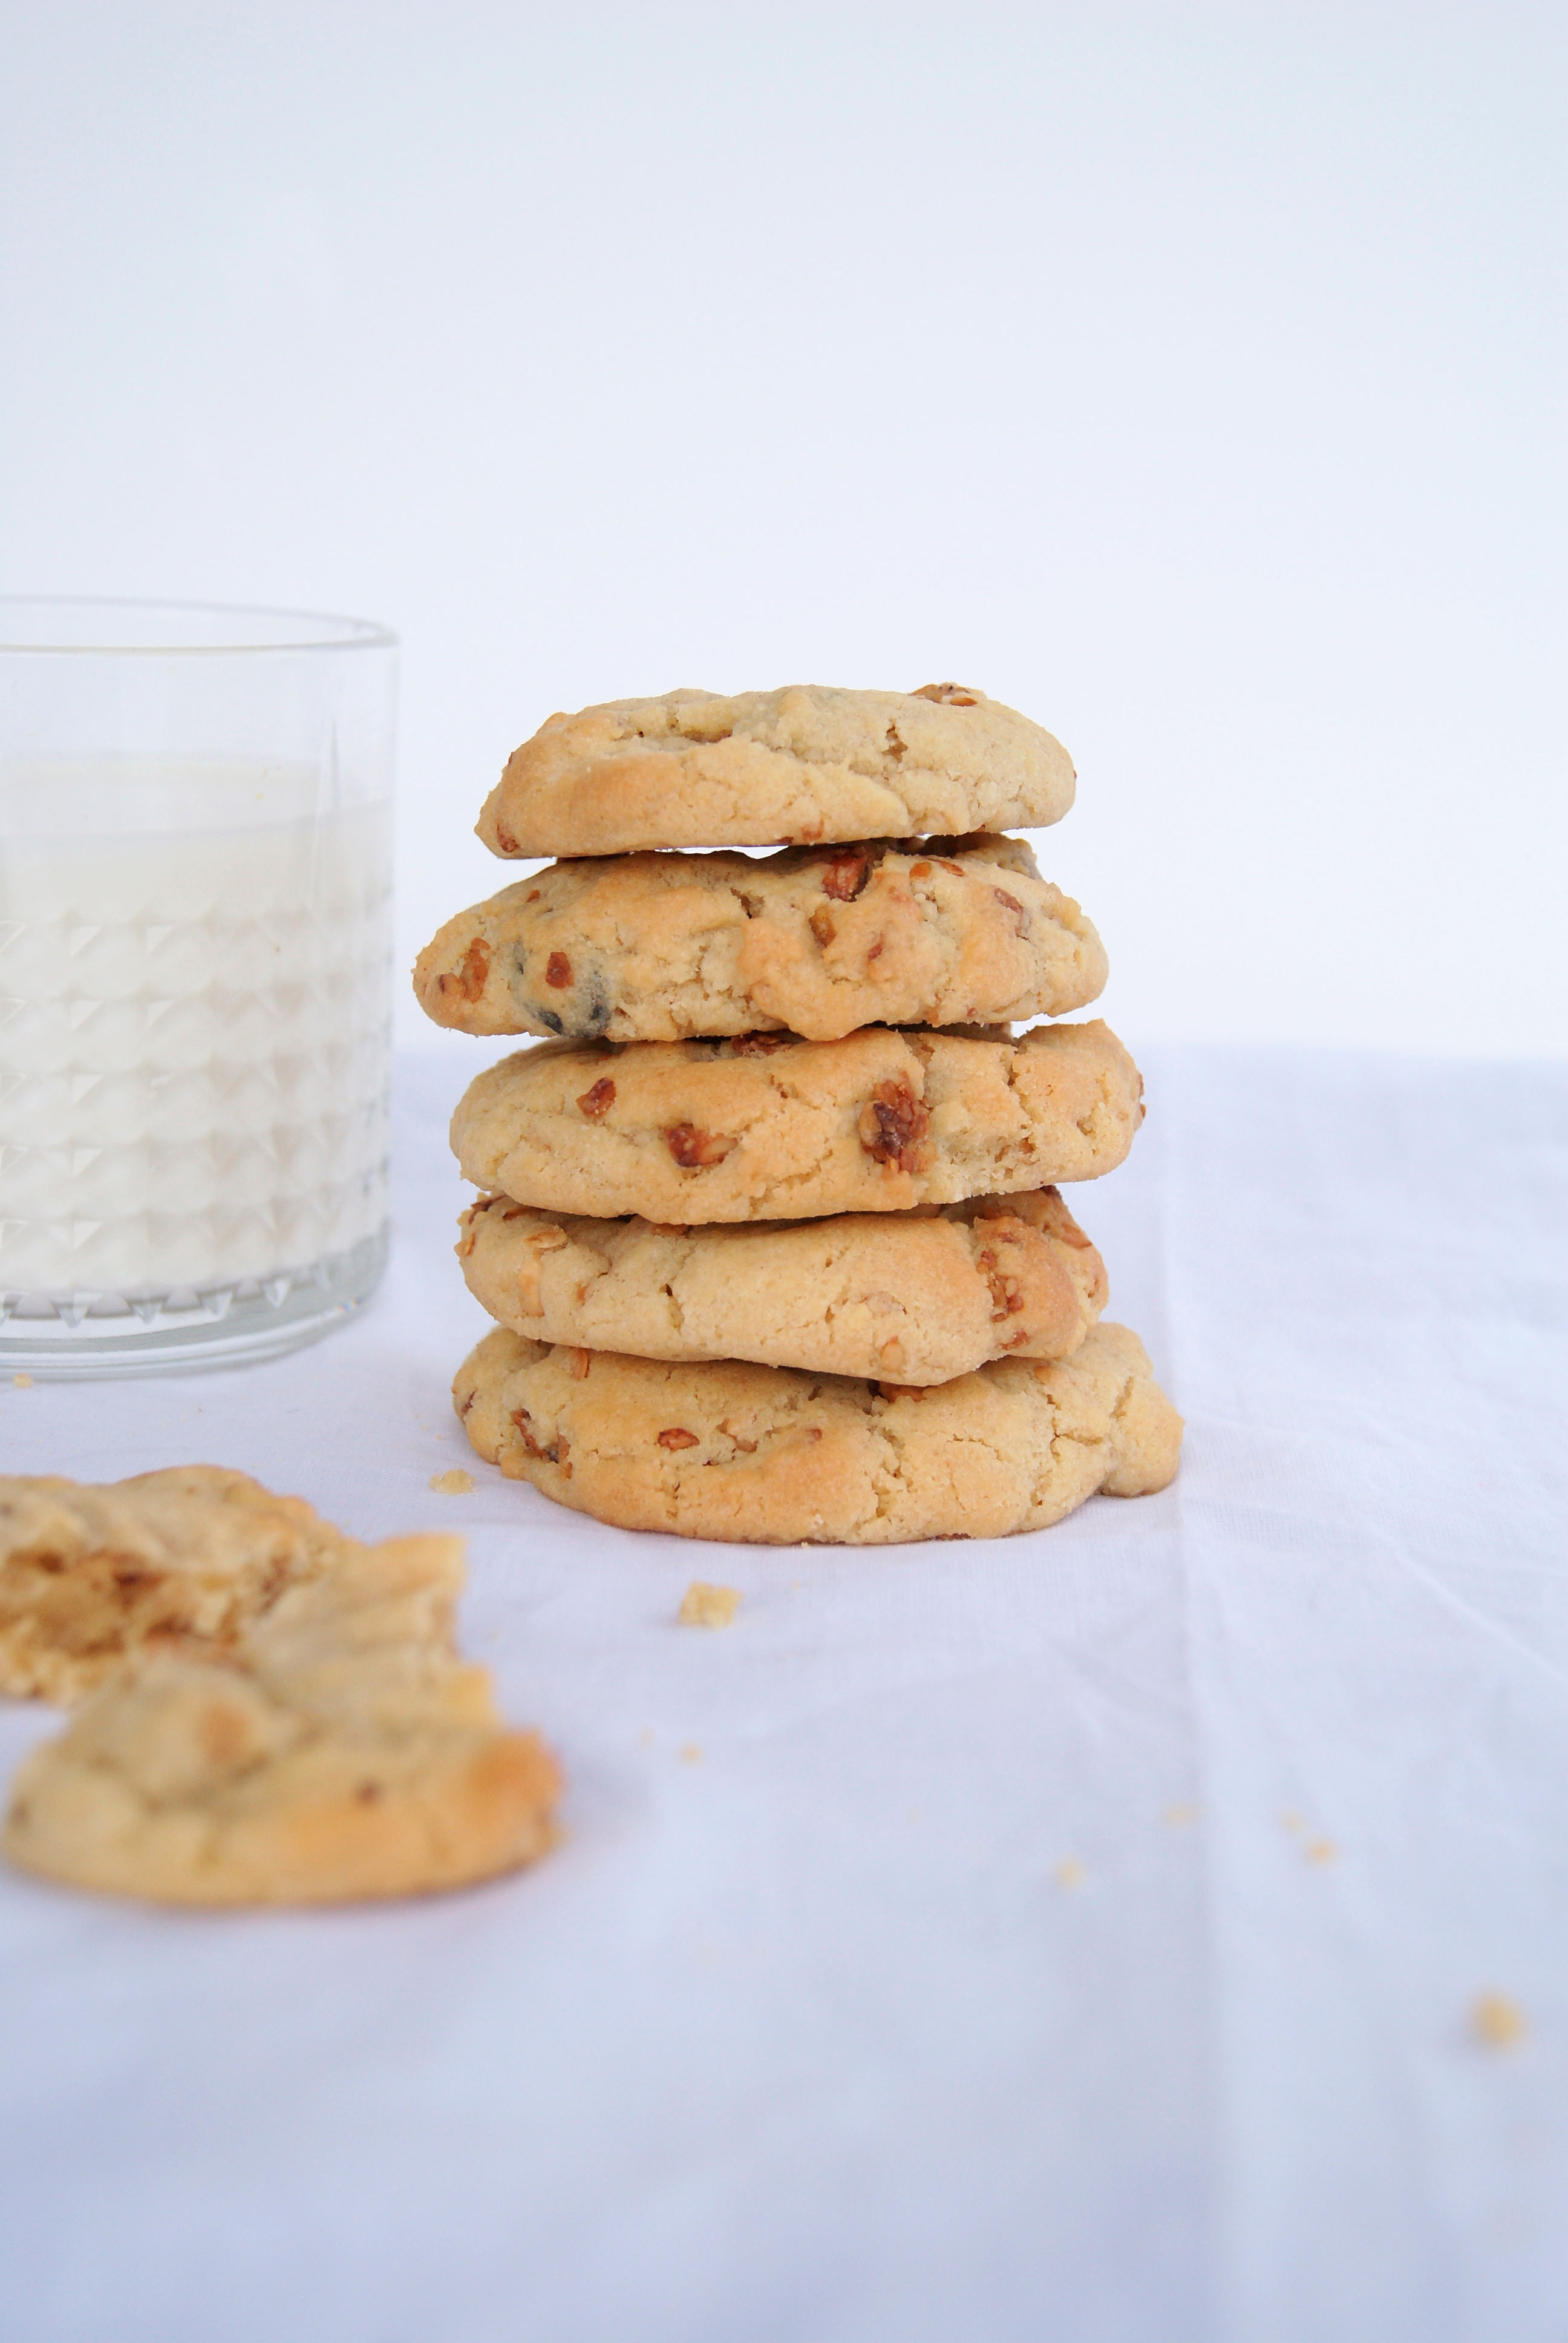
column 707, row 1606
column 1070, row 1873
column 1495, row 2021
column 1177, row 1816
column 1320, row 1850
column 691, row 1752
column 22, row 1382
column 453, row 1484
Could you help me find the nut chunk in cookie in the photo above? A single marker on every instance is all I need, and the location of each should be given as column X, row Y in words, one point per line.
column 340, row 1751
column 809, row 765
column 770, row 1456
column 90, row 1575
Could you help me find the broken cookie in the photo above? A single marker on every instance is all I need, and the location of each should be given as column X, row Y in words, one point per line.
column 91, row 1575
column 340, row 1750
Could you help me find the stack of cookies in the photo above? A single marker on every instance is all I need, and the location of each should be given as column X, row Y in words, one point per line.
column 771, row 1223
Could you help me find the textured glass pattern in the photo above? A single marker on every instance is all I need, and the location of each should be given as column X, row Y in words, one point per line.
column 193, row 1063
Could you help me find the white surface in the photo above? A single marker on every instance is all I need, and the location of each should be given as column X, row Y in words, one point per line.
column 810, row 2037
column 1190, row 377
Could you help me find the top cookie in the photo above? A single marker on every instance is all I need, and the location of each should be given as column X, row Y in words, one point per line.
column 810, row 765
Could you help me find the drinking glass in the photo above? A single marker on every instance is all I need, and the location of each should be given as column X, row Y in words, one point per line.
column 195, row 880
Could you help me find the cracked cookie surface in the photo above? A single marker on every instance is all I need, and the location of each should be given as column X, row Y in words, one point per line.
column 919, row 1297
column 806, row 765
column 815, row 941
column 769, row 1127
column 769, row 1455
column 92, row 1575
column 340, row 1750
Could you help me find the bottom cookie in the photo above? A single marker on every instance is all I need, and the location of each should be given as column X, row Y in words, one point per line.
column 339, row 1750
column 774, row 1456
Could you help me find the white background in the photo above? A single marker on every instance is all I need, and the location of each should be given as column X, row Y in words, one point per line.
column 1188, row 377
column 1078, row 1937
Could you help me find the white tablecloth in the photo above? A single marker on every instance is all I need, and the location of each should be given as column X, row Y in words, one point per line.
column 1071, row 1936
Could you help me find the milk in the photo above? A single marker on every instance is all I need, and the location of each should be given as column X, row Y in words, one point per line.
column 194, row 1018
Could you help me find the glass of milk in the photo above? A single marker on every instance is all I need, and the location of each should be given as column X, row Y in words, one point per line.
column 195, row 883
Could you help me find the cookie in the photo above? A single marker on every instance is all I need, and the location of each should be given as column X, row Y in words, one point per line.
column 806, row 766
column 771, row 1128
column 770, row 1456
column 918, row 1296
column 817, row 940
column 340, row 1750
column 90, row 1575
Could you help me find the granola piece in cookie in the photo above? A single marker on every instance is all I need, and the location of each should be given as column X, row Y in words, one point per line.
column 771, row 1456
column 92, row 1575
column 814, row 939
column 768, row 1127
column 805, row 766
column 340, row 1750
column 920, row 1296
